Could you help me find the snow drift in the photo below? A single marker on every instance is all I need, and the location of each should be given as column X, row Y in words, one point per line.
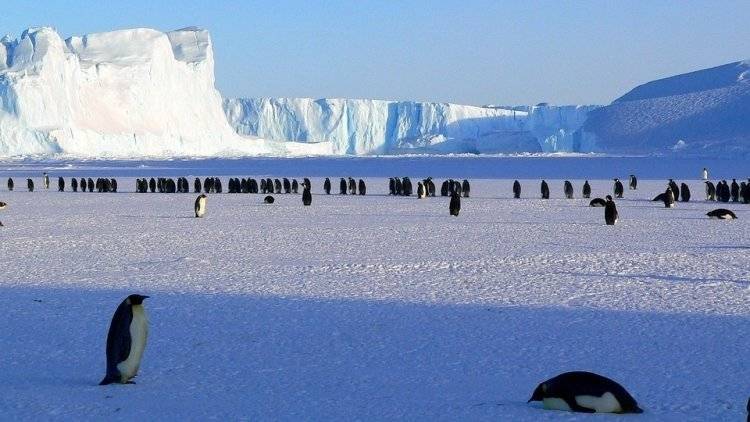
column 391, row 127
column 706, row 112
column 128, row 93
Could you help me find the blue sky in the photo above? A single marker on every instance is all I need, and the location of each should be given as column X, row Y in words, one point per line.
column 472, row 52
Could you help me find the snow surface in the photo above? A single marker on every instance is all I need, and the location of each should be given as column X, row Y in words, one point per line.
column 391, row 127
column 707, row 110
column 372, row 307
column 128, row 93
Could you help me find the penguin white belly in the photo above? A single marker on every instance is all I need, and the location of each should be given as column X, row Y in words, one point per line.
column 554, row 403
column 607, row 403
column 138, row 335
column 201, row 207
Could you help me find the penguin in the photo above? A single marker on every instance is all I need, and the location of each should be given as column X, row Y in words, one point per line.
column 745, row 192
column 391, row 186
column 207, row 185
column 735, row 192
column 704, row 175
column 610, row 212
column 10, row 184
column 545, row 190
column 721, row 214
column 126, row 341
column 327, row 186
column 46, row 181
column 306, row 182
column 675, row 189
column 287, row 186
column 660, row 197
column 633, row 184
column 421, row 191
column 669, row 198
column 684, row 193
column 466, row 188
column 516, row 189
column 618, row 189
column 352, row 187
column 444, row 188
column 747, row 407
column 30, row 185
column 586, row 190
column 342, row 186
column 398, row 186
column 295, row 186
column 362, row 187
column 568, row 189
column 431, row 187
column 200, row 205
column 74, row 184
column 306, row 197
column 268, row 199
column 217, row 185
column 197, row 185
column 3, row 205
column 406, row 186
column 598, row 202
column 83, row 184
column 455, row 205
column 60, row 184
column 584, row 392
column 710, row 191
column 457, row 187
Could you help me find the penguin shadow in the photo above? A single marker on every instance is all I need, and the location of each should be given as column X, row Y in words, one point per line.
column 722, row 247
column 655, row 277
column 156, row 216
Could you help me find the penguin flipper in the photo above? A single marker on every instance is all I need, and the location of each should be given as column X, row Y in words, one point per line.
column 575, row 407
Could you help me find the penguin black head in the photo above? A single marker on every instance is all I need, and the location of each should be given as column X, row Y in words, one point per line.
column 538, row 394
column 608, row 197
column 136, row 299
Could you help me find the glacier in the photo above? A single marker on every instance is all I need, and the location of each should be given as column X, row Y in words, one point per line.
column 121, row 94
column 359, row 126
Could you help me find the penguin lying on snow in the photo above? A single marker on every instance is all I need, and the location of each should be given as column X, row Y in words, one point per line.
column 584, row 392
column 3, row 205
column 126, row 341
column 268, row 199
column 598, row 202
column 721, row 214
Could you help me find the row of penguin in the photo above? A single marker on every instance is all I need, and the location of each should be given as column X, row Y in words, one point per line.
column 722, row 191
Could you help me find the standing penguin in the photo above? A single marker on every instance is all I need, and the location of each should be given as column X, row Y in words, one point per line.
column 352, row 187
column 584, row 392
column 197, row 185
column 545, row 190
column 735, row 192
column 327, row 186
column 295, row 186
column 421, row 191
column 710, row 191
column 633, row 184
column 704, row 174
column 684, row 193
column 10, row 184
column 60, row 184
column 126, row 341
column 516, row 189
column 610, row 212
column 444, row 188
column 362, row 187
column 391, row 186
column 46, row 181
column 30, row 185
column 466, row 188
column 306, row 197
column 586, row 190
column 675, row 189
column 455, row 205
column 619, row 190
column 200, row 205
column 83, row 184
column 669, row 198
column 342, row 186
column 74, row 184
column 568, row 189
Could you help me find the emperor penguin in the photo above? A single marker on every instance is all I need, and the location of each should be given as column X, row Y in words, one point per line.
column 352, row 187
column 721, row 214
column 444, row 188
column 126, row 341
column 710, row 191
column 633, row 184
column 342, row 186
column 455, row 205
column 516, row 189
column 306, row 197
column 60, row 184
column 619, row 190
column 287, row 186
column 46, row 181
column 684, row 193
column 74, row 184
column 295, row 186
column 10, row 184
column 3, row 205
column 197, row 185
column 704, row 175
column 421, row 191
column 669, row 198
column 675, row 189
column 584, row 392
column 610, row 212
column 327, row 186
column 391, row 186
column 598, row 202
column 586, row 190
column 430, row 187
column 398, row 186
column 30, row 185
column 307, row 182
column 200, row 205
column 545, row 190
column 568, row 189
column 362, row 187
column 466, row 188
column 735, row 192
column 268, row 199
column 83, row 184
column 91, row 185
